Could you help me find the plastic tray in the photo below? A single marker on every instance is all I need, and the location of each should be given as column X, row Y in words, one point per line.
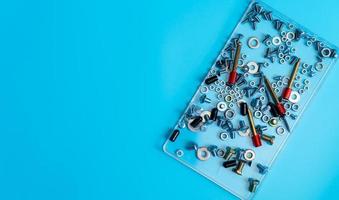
column 311, row 73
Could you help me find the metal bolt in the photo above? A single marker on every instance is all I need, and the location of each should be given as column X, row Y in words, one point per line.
column 268, row 138
column 229, row 153
column 240, row 167
column 253, row 184
column 205, row 99
column 262, row 169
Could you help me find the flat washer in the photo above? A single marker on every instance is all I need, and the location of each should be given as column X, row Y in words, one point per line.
column 203, row 154
column 290, row 36
column 204, row 89
column 253, row 67
column 280, row 130
column 179, row 153
column 253, row 43
column 294, row 97
column 258, row 114
column 276, row 41
column 222, row 106
column 249, row 155
column 265, row 118
column 223, row 136
column 326, row 52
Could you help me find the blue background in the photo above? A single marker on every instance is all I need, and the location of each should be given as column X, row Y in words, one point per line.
column 89, row 90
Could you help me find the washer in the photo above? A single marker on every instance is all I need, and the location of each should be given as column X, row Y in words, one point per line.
column 276, row 41
column 280, row 130
column 326, row 52
column 249, row 155
column 222, row 106
column 319, row 66
column 295, row 107
column 228, row 98
column 265, row 118
column 294, row 97
column 253, row 43
column 203, row 154
column 204, row 89
column 290, row 36
column 223, row 136
column 253, row 67
column 258, row 114
column 179, row 153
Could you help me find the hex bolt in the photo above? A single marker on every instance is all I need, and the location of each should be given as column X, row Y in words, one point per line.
column 240, row 167
column 253, row 184
column 205, row 99
column 262, row 169
column 268, row 138
column 229, row 153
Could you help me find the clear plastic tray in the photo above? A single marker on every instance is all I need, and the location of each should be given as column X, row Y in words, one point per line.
column 309, row 77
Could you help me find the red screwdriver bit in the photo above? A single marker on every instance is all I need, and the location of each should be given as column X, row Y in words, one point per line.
column 280, row 108
column 233, row 74
column 255, row 136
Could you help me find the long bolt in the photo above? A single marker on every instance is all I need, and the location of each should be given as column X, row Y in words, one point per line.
column 287, row 92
